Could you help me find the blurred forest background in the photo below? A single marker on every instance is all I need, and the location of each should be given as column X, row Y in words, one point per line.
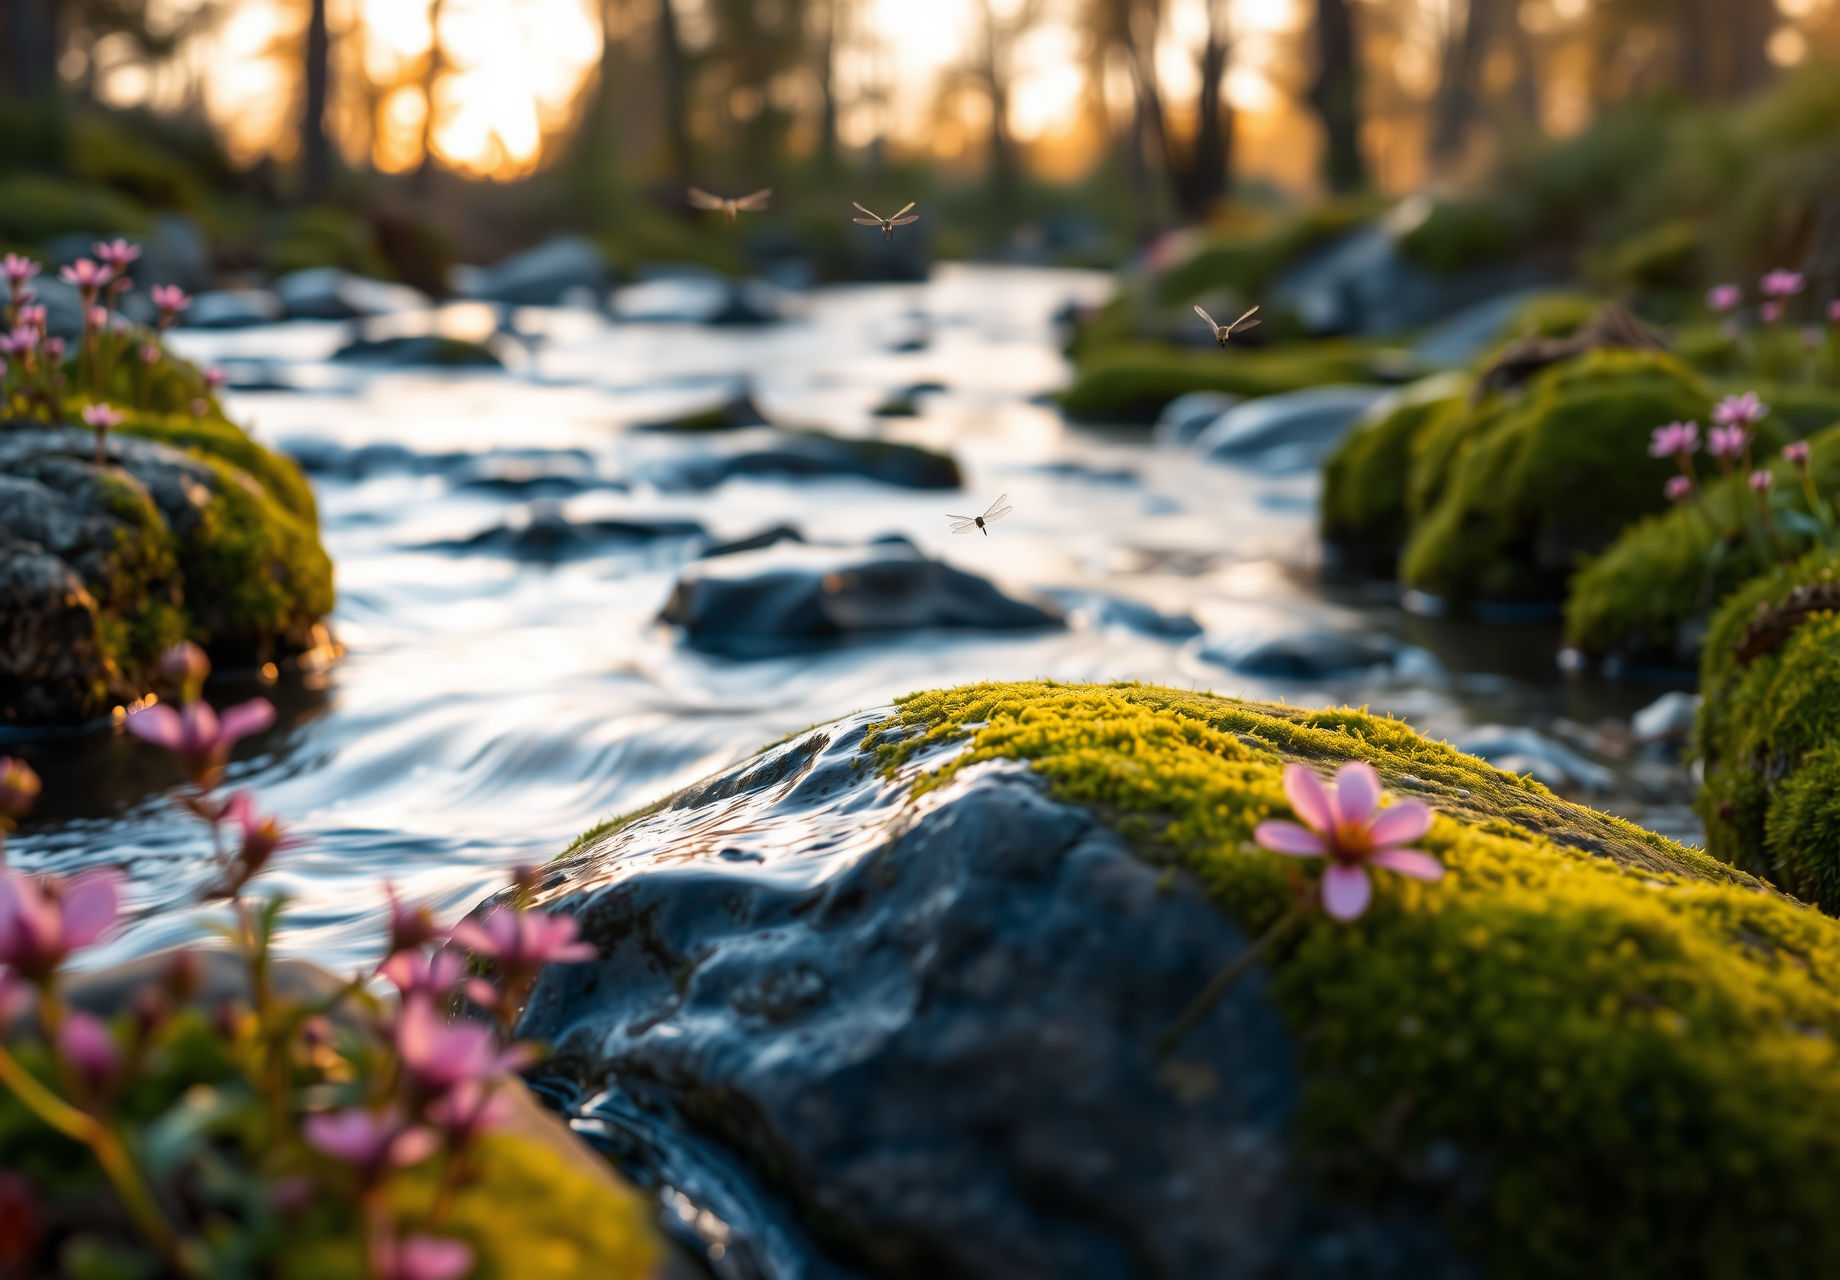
column 398, row 137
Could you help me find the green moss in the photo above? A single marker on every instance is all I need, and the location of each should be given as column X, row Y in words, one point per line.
column 1511, row 496
column 218, row 437
column 1767, row 732
column 1461, row 235
column 1651, row 589
column 1364, row 481
column 1246, row 263
column 1136, row 380
column 1632, row 1054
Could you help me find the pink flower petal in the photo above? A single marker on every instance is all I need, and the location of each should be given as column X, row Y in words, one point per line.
column 1409, row 862
column 354, row 1136
column 90, row 906
column 158, row 724
column 246, row 718
column 86, row 1043
column 414, row 1146
column 1357, row 793
column 431, row 1258
column 1345, row 891
column 198, row 727
column 1289, row 838
column 473, row 938
column 1308, row 799
column 1400, row 823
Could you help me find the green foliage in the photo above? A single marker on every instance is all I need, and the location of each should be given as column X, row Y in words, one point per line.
column 322, row 236
column 1134, row 381
column 1650, row 589
column 1458, row 236
column 1767, row 732
column 1245, row 263
column 1364, row 480
column 34, row 207
column 1630, row 1056
column 1509, row 497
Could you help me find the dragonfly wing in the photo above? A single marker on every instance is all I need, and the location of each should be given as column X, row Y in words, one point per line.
column 901, row 222
column 964, row 526
column 1001, row 499
column 904, row 208
column 867, row 222
column 701, row 199
column 868, row 211
column 755, row 201
column 1206, row 317
column 1240, row 326
column 998, row 514
column 1242, row 320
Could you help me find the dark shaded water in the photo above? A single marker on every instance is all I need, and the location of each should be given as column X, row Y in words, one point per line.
column 488, row 707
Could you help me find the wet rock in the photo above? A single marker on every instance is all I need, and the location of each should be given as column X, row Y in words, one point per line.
column 1316, row 655
column 809, row 455
column 1669, row 718
column 546, row 534
column 754, row 542
column 934, row 1026
column 794, row 597
column 569, row 268
column 233, row 309
column 733, row 413
column 1098, row 612
column 1526, row 751
column 103, row 566
column 1087, row 473
column 1186, row 417
column 329, row 293
column 405, row 350
column 532, row 474
column 1297, row 429
column 693, row 296
column 905, row 403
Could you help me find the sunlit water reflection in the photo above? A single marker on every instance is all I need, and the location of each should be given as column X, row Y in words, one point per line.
column 486, row 709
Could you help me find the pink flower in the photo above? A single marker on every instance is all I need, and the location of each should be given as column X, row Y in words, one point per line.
column 261, row 837
column 54, row 348
column 19, row 788
column 17, row 270
column 185, row 666
column 1346, row 825
column 150, row 355
column 1833, row 311
column 20, row 341
column 118, row 254
column 1762, row 480
column 87, row 276
column 170, row 299
column 420, row 1258
column 1727, row 442
column 1781, row 284
column 196, row 735
column 42, row 921
column 468, row 1110
column 1679, row 489
column 1797, row 453
column 1740, row 411
column 440, row 1054
column 1675, row 438
column 525, row 939
column 367, row 1141
column 98, row 317
column 85, row 1042
column 411, row 923
column 1771, row 312
column 1724, row 297
column 34, row 317
column 215, row 378
column 416, row 972
column 103, row 416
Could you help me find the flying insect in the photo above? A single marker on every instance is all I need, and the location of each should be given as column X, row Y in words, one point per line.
column 886, row 224
column 755, row 203
column 1224, row 331
column 996, row 511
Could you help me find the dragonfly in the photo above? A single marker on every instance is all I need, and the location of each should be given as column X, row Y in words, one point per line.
column 886, row 224
column 1224, row 331
column 755, row 203
column 996, row 511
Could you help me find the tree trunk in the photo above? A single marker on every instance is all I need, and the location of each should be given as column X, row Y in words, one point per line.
column 32, row 33
column 316, row 154
column 996, row 88
column 1722, row 46
column 1336, row 96
column 424, row 171
column 1211, row 167
column 827, row 83
column 675, row 80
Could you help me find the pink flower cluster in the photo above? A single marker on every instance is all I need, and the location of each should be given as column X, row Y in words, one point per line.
column 1674, row 439
column 1345, row 825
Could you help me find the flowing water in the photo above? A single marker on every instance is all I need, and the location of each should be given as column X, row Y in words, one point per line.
column 488, row 708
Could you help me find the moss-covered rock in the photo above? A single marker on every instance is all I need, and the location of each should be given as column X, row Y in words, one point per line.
column 1629, row 1047
column 1364, row 514
column 192, row 530
column 1509, row 497
column 1651, row 592
column 1133, row 381
column 1769, row 729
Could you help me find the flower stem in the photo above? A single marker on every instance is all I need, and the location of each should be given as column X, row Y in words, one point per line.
column 104, row 1142
column 1223, row 980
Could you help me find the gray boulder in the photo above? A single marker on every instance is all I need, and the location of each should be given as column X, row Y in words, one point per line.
column 1295, row 430
column 925, row 1030
column 568, row 268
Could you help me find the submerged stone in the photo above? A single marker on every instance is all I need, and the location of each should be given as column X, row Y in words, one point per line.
column 792, row 596
column 810, row 455
column 880, row 1002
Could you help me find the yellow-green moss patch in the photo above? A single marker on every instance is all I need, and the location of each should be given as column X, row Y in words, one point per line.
column 1619, row 1053
column 1364, row 511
